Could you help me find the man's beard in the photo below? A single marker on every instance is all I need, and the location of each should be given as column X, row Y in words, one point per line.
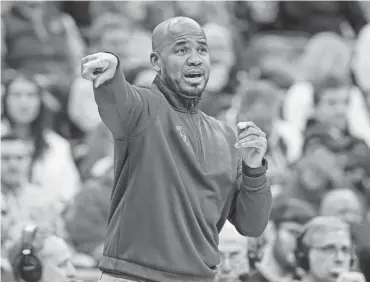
column 191, row 92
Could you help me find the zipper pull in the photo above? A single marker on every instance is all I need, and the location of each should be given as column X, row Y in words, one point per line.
column 192, row 104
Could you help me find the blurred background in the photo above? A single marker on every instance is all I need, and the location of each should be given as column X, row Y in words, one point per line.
column 298, row 70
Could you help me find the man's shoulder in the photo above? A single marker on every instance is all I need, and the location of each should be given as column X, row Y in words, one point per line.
column 148, row 92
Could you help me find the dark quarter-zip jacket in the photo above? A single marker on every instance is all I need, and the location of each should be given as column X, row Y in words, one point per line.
column 178, row 178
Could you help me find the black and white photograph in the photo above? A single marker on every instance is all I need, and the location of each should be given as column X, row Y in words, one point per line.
column 185, row 141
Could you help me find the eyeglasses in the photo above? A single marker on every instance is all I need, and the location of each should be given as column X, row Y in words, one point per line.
column 334, row 250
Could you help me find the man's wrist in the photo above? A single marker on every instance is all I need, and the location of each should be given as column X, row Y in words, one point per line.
column 255, row 172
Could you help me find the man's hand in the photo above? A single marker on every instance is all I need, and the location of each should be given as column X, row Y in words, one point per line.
column 351, row 277
column 252, row 144
column 99, row 67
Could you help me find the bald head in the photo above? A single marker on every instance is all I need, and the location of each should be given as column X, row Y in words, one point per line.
column 168, row 31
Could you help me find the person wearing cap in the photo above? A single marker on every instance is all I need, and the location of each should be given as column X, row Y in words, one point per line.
column 325, row 251
column 179, row 174
column 288, row 217
column 233, row 251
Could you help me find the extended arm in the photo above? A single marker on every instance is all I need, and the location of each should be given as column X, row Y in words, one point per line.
column 118, row 102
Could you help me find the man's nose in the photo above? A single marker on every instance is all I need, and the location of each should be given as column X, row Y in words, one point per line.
column 340, row 257
column 226, row 265
column 194, row 59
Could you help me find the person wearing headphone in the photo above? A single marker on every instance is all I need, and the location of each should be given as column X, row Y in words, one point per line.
column 40, row 256
column 277, row 260
column 325, row 252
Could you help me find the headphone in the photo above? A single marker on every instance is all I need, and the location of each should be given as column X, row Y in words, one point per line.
column 27, row 265
column 302, row 253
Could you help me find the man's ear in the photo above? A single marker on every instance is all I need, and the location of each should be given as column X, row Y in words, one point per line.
column 155, row 61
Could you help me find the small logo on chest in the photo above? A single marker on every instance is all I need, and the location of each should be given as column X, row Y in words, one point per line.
column 182, row 133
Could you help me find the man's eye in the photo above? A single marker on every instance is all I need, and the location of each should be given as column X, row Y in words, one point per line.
column 182, row 50
column 203, row 49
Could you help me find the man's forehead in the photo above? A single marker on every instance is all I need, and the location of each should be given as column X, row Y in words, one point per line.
column 331, row 237
column 177, row 29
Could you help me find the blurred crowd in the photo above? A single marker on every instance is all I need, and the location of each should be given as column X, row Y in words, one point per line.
column 299, row 70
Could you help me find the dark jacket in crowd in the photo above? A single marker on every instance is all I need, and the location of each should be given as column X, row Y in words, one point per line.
column 312, row 17
column 178, row 178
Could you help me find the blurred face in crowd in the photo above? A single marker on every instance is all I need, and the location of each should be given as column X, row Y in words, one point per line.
column 285, row 244
column 181, row 56
column 56, row 259
column 343, row 204
column 23, row 101
column 15, row 161
column 116, row 40
column 233, row 260
column 330, row 255
column 332, row 108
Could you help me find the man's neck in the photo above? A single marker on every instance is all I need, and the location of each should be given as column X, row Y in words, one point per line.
column 21, row 130
column 270, row 268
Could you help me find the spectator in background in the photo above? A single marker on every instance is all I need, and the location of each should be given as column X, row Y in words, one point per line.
column 232, row 246
column 325, row 251
column 329, row 128
column 278, row 262
column 24, row 202
column 349, row 205
column 359, row 112
column 345, row 203
column 54, row 48
column 299, row 102
column 326, row 54
column 24, row 115
column 49, row 252
column 313, row 175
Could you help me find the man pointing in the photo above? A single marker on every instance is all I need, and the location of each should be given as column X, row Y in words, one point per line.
column 179, row 174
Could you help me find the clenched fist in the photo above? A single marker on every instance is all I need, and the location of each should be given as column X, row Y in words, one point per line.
column 251, row 143
column 99, row 67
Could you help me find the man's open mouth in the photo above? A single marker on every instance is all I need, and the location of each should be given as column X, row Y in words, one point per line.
column 194, row 76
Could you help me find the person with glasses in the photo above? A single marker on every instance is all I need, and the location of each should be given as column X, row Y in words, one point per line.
column 325, row 252
column 277, row 260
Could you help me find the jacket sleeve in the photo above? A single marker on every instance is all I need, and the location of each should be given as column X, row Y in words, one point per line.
column 119, row 104
column 251, row 205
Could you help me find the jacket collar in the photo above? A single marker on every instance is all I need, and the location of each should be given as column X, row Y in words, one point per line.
column 179, row 101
